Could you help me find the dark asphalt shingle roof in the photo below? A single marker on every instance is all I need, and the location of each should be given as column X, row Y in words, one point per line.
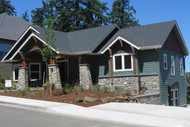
column 12, row 27
column 78, row 41
column 146, row 35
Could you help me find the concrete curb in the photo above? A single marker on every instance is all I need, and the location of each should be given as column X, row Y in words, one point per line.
column 123, row 116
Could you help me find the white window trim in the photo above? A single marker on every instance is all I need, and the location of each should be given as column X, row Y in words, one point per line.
column 39, row 71
column 123, row 64
column 165, row 55
column 172, row 65
column 14, row 66
column 181, row 72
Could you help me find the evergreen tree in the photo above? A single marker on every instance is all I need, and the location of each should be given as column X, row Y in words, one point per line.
column 5, row 6
column 71, row 15
column 25, row 16
column 122, row 14
column 95, row 12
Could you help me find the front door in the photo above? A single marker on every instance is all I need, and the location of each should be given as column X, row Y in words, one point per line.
column 63, row 72
column 173, row 92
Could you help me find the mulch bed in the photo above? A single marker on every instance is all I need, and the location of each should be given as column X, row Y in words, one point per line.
column 57, row 96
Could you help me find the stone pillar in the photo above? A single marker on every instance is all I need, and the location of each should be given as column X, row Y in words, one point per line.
column 85, row 75
column 22, row 78
column 56, row 80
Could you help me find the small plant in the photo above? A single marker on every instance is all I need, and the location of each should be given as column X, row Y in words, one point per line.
column 128, row 93
column 98, row 89
column 90, row 88
column 92, row 101
column 105, row 89
column 37, row 91
column 84, row 102
column 49, row 98
column 76, row 100
column 79, row 88
column 17, row 92
column 68, row 91
column 2, row 92
column 63, row 98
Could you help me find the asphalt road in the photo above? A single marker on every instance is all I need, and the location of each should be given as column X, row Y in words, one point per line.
column 12, row 116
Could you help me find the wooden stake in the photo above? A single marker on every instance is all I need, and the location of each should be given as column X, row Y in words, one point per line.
column 50, row 81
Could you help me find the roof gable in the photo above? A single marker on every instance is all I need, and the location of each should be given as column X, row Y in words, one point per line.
column 147, row 36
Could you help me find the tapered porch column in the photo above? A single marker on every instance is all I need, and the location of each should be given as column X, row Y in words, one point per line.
column 56, row 80
column 23, row 76
column 84, row 73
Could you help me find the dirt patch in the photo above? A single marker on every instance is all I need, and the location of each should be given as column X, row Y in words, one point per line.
column 75, row 97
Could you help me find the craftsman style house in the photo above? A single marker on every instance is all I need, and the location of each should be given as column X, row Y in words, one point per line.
column 11, row 28
column 147, row 60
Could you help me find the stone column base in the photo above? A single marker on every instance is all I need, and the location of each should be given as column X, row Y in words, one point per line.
column 56, row 80
column 85, row 75
column 22, row 79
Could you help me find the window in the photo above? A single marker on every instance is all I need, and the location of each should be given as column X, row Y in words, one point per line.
column 172, row 65
column 35, row 71
column 181, row 67
column 4, row 49
column 123, row 62
column 15, row 71
column 165, row 61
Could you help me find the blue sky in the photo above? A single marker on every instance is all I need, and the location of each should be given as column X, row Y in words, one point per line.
column 148, row 12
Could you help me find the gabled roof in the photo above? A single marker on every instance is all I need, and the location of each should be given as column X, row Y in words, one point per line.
column 146, row 36
column 12, row 27
column 80, row 41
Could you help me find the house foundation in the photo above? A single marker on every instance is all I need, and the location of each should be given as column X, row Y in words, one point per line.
column 56, row 80
column 85, row 75
column 23, row 80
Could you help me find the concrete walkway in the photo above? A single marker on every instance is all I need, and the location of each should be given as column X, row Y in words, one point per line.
column 138, row 114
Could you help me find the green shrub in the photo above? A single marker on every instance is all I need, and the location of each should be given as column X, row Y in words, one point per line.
column 63, row 98
column 90, row 88
column 79, row 88
column 68, row 91
column 105, row 89
column 76, row 100
column 37, row 91
column 2, row 80
column 98, row 89
column 128, row 93
column 84, row 102
column 92, row 101
column 49, row 98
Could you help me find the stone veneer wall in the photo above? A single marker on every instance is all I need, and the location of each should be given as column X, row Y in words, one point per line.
column 149, row 99
column 56, row 80
column 85, row 75
column 137, row 84
column 149, row 84
column 23, row 80
column 128, row 83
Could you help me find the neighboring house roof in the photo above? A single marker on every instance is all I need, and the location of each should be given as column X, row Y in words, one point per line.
column 142, row 37
column 80, row 41
column 12, row 27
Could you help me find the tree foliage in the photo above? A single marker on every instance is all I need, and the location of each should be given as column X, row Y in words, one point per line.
column 25, row 16
column 5, row 6
column 71, row 15
column 122, row 14
column 46, row 52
